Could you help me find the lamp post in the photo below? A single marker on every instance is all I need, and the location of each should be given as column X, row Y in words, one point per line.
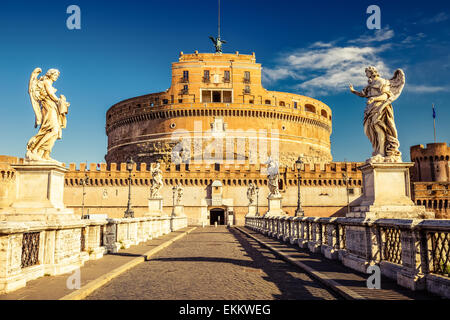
column 299, row 212
column 129, row 213
column 84, row 182
column 257, row 201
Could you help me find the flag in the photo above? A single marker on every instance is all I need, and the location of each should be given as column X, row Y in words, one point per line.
column 434, row 113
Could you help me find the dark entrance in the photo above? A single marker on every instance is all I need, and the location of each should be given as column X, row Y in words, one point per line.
column 217, row 215
column 217, row 96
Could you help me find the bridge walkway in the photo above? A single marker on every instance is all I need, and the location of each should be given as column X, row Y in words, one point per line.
column 346, row 282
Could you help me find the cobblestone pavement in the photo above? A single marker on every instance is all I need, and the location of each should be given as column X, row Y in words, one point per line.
column 214, row 264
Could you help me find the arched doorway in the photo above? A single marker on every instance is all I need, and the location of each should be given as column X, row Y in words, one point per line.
column 217, row 215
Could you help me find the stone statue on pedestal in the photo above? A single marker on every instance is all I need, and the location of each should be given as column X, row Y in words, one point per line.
column 179, row 194
column 379, row 125
column 273, row 176
column 50, row 112
column 157, row 182
column 251, row 193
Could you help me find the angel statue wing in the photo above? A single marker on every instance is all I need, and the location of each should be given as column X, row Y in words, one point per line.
column 35, row 95
column 396, row 84
column 213, row 40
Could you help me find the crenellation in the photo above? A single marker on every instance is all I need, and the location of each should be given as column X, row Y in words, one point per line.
column 316, row 176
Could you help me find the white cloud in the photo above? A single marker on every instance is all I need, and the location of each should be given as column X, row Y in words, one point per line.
column 378, row 36
column 276, row 74
column 328, row 69
column 414, row 38
column 440, row 17
column 320, row 44
column 425, row 89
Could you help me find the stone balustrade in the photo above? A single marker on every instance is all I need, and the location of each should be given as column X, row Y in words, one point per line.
column 413, row 252
column 29, row 250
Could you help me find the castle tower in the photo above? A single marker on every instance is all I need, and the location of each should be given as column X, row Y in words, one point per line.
column 218, row 94
column 431, row 164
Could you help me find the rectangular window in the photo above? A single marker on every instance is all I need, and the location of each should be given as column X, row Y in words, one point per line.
column 247, row 76
column 227, row 96
column 206, row 96
column 226, row 76
column 247, row 90
column 206, row 75
column 185, row 75
column 295, row 104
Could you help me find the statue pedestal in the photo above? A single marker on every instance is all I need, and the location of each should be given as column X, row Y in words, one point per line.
column 251, row 210
column 387, row 193
column 275, row 208
column 178, row 211
column 155, row 207
column 39, row 194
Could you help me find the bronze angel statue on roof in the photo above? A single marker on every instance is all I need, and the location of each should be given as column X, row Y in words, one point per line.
column 379, row 125
column 217, row 43
column 50, row 112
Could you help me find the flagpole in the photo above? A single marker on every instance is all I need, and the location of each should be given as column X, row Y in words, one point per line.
column 434, row 123
column 218, row 34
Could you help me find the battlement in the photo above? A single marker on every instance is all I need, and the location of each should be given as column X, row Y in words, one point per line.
column 333, row 167
column 102, row 174
column 217, row 57
column 433, row 151
column 331, row 174
column 7, row 173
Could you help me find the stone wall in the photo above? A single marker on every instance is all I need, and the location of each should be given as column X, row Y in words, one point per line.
column 7, row 180
column 434, row 196
column 323, row 189
column 430, row 177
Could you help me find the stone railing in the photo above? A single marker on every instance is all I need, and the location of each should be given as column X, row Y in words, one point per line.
column 29, row 250
column 415, row 253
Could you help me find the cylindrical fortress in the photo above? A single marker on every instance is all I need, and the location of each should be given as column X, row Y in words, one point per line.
column 431, row 163
column 217, row 111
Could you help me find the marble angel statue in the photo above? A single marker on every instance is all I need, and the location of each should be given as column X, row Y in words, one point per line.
column 273, row 177
column 157, row 182
column 251, row 193
column 379, row 125
column 50, row 112
column 179, row 194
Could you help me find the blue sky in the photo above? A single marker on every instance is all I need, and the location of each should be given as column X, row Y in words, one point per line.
column 125, row 48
